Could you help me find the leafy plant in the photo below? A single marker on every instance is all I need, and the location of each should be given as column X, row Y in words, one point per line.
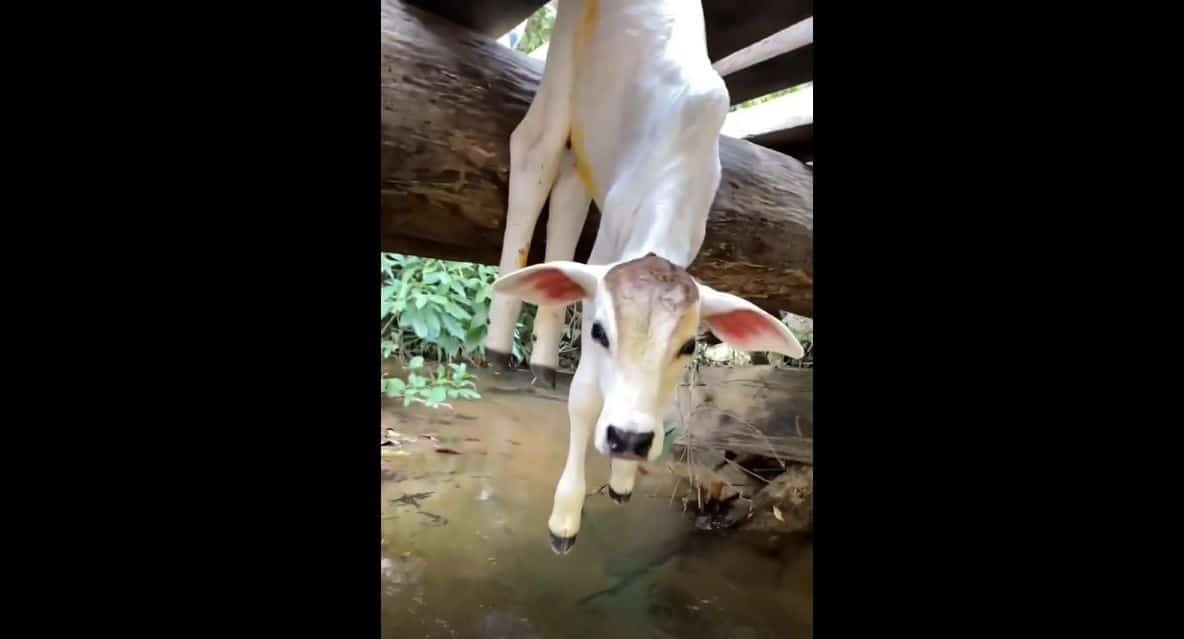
column 422, row 387
column 434, row 308
column 439, row 310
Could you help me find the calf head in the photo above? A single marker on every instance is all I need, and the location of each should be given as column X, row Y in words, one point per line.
column 645, row 314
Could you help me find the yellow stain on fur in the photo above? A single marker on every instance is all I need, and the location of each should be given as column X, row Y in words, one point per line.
column 587, row 26
column 522, row 253
column 582, row 169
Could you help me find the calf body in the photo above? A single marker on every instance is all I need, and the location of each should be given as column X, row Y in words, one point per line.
column 628, row 114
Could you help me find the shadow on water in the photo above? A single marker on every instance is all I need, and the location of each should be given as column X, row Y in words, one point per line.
column 465, row 550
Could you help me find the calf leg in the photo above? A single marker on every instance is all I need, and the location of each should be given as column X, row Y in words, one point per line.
column 569, row 210
column 583, row 408
column 534, row 163
column 536, row 147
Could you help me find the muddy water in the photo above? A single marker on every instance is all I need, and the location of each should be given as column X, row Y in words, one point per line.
column 465, row 549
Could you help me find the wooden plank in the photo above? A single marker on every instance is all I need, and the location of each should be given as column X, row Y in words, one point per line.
column 735, row 24
column 782, row 42
column 451, row 98
column 780, row 72
column 785, row 112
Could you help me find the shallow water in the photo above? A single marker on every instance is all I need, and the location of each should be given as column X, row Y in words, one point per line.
column 466, row 552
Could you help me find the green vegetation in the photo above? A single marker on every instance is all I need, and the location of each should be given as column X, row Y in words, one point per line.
column 538, row 28
column 437, row 311
column 431, row 390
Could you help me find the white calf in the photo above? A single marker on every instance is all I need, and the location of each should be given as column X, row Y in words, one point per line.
column 629, row 114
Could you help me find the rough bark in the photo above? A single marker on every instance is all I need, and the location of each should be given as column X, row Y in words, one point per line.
column 450, row 100
column 751, row 410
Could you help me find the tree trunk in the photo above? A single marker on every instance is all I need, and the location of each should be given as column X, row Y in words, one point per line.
column 450, row 100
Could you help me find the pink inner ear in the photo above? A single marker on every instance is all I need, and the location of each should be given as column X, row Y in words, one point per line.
column 739, row 326
column 554, row 286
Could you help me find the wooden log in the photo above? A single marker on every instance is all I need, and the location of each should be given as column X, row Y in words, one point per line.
column 450, row 100
column 751, row 410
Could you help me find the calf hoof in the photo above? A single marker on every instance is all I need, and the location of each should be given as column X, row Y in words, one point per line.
column 620, row 499
column 498, row 361
column 561, row 545
column 544, row 375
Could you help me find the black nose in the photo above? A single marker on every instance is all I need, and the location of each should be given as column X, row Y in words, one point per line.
column 628, row 443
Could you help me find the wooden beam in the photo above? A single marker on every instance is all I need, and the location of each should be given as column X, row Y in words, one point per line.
column 785, row 112
column 784, row 124
column 451, row 98
column 734, row 24
column 779, row 72
column 782, row 42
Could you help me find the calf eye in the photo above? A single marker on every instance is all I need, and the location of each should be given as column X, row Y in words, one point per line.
column 598, row 334
column 688, row 348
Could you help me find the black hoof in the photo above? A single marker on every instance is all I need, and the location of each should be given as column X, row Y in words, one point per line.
column 561, row 545
column 544, row 375
column 620, row 499
column 498, row 361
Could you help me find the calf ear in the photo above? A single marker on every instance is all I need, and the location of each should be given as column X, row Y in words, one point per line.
column 743, row 325
column 551, row 283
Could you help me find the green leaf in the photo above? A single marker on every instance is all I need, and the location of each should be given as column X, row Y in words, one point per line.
column 415, row 363
column 469, row 394
column 433, row 326
column 420, row 300
column 421, row 327
column 450, row 345
column 456, row 311
column 437, row 395
column 480, row 317
column 453, row 327
column 474, row 342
